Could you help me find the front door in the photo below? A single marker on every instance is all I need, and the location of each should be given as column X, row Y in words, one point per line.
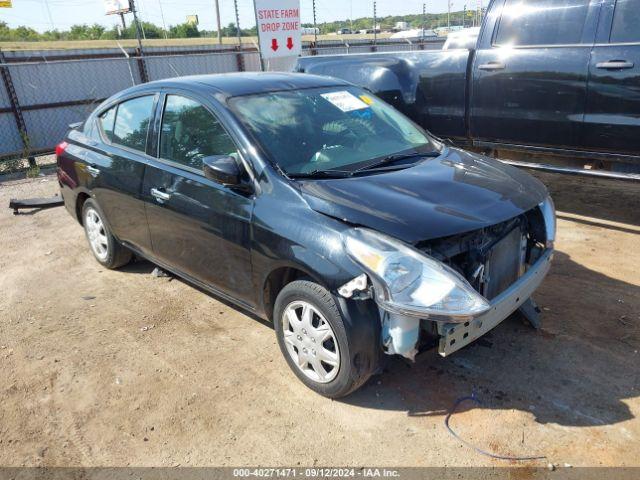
column 530, row 72
column 197, row 226
column 612, row 120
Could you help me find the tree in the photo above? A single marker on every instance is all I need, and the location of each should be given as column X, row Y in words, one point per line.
column 230, row 30
column 150, row 30
column 25, row 34
column 85, row 32
column 184, row 30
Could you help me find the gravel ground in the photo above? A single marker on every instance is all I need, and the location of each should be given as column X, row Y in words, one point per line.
column 115, row 368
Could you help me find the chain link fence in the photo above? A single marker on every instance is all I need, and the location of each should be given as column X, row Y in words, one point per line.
column 42, row 92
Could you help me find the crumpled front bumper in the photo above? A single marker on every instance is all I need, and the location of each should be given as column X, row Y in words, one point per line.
column 454, row 336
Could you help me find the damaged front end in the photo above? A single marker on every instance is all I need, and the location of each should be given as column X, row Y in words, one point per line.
column 452, row 290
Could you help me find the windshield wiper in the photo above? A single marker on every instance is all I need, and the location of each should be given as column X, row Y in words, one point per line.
column 394, row 158
column 372, row 166
column 321, row 174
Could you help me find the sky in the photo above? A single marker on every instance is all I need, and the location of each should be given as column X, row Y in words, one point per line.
column 61, row 14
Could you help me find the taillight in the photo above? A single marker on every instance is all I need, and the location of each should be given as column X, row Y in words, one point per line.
column 60, row 148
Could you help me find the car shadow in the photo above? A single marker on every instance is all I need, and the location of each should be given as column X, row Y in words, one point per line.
column 575, row 371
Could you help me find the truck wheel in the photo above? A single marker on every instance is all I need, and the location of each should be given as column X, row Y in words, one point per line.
column 313, row 339
column 107, row 250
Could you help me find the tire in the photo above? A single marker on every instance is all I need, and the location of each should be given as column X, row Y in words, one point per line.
column 293, row 336
column 104, row 246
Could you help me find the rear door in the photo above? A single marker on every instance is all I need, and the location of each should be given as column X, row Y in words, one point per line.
column 197, row 226
column 530, row 72
column 117, row 165
column 612, row 120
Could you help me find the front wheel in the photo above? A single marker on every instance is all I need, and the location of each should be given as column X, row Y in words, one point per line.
column 312, row 337
column 104, row 246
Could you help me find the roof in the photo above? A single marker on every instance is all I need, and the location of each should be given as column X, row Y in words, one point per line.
column 247, row 83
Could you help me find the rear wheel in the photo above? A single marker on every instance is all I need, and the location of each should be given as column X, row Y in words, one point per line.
column 105, row 248
column 313, row 339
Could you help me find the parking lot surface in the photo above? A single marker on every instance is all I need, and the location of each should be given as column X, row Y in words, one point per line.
column 114, row 368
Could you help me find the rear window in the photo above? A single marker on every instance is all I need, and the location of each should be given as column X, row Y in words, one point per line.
column 132, row 122
column 626, row 22
column 542, row 22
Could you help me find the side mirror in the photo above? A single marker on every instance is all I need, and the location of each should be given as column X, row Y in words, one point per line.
column 222, row 169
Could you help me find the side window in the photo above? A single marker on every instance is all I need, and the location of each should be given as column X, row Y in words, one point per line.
column 106, row 122
column 190, row 133
column 542, row 22
column 132, row 122
column 626, row 22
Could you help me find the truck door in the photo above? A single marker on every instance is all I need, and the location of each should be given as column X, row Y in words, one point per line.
column 530, row 72
column 612, row 119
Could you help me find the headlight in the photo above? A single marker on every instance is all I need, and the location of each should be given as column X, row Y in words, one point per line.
column 408, row 282
column 548, row 210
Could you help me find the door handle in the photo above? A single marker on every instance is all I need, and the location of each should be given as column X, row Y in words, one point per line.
column 93, row 171
column 160, row 195
column 492, row 66
column 614, row 64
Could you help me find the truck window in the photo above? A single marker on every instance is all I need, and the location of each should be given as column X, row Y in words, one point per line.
column 626, row 21
column 542, row 22
column 132, row 123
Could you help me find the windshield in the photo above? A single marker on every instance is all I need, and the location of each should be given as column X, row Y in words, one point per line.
column 337, row 128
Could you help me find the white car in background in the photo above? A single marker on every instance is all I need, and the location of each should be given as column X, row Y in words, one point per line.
column 465, row 38
column 414, row 34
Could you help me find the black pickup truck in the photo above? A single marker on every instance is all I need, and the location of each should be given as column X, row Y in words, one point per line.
column 553, row 77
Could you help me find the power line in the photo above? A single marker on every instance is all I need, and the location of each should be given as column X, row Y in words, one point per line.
column 46, row 3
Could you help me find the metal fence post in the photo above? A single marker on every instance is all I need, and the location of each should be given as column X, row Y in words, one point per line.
column 374, row 48
column 142, row 66
column 240, row 57
column 15, row 108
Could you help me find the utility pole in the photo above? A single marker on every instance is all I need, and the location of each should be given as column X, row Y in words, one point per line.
column 464, row 15
column 164, row 25
column 143, row 67
column 375, row 34
column 351, row 15
column 255, row 10
column 315, row 30
column 448, row 14
column 137, row 23
column 424, row 18
column 124, row 23
column 218, row 21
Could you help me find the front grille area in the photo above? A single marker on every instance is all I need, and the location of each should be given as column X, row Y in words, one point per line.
column 492, row 258
column 504, row 264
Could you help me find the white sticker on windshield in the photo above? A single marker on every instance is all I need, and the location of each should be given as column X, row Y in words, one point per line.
column 345, row 101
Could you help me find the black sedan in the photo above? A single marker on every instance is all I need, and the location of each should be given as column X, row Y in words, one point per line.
column 313, row 204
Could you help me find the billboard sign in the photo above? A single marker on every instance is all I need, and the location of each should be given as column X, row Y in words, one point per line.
column 5, row 3
column 278, row 27
column 116, row 6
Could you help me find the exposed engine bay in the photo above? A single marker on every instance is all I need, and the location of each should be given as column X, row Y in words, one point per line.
column 492, row 260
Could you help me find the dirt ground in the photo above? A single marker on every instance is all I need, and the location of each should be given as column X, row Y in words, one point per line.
column 115, row 368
